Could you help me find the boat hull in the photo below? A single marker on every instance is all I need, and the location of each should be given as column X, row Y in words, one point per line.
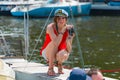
column 19, row 14
column 48, row 10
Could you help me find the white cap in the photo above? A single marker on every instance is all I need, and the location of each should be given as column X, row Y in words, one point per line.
column 61, row 12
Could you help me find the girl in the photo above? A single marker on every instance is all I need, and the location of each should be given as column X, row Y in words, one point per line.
column 58, row 41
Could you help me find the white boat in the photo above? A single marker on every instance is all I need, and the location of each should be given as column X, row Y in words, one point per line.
column 48, row 8
column 7, row 5
column 20, row 10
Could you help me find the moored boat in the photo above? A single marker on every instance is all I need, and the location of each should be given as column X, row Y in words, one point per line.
column 6, row 6
column 48, row 8
column 111, row 8
column 114, row 3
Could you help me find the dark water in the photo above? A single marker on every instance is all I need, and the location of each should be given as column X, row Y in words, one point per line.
column 99, row 41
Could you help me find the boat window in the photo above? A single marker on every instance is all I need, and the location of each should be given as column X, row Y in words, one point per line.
column 52, row 1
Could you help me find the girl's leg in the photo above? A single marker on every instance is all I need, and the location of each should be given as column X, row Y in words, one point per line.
column 51, row 54
column 61, row 57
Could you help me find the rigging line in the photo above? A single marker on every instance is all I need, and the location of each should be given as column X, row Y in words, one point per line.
column 5, row 44
column 26, row 36
column 41, row 33
column 29, row 59
column 78, row 42
column 26, row 31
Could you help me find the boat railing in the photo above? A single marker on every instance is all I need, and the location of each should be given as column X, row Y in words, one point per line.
column 9, row 46
column 3, row 44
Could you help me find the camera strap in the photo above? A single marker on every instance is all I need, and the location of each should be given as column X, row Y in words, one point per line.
column 57, row 29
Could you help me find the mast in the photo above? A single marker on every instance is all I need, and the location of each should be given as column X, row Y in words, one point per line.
column 26, row 33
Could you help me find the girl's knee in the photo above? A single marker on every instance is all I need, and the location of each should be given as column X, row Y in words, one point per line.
column 62, row 56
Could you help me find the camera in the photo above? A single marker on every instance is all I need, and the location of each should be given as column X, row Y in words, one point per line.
column 71, row 31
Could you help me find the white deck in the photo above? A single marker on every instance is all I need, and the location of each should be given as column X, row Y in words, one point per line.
column 36, row 71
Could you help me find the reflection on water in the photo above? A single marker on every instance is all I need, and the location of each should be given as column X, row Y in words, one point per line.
column 99, row 38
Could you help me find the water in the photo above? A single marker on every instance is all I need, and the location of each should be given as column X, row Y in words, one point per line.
column 99, row 38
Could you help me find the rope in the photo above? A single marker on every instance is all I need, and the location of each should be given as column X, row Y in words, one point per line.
column 79, row 47
column 29, row 59
column 78, row 42
column 41, row 33
column 26, row 32
column 113, row 70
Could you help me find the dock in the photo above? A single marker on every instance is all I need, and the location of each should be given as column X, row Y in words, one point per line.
column 36, row 71
column 100, row 8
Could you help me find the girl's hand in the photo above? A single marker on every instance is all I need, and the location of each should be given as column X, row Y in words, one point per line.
column 69, row 26
column 71, row 30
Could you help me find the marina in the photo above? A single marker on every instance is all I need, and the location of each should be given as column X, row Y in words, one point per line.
column 107, row 34
column 99, row 37
column 96, row 8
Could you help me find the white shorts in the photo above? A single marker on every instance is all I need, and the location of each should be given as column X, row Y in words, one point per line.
column 44, row 54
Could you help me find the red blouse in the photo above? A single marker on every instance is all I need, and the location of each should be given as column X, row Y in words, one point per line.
column 62, row 44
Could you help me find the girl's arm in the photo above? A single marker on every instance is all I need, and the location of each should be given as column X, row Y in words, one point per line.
column 70, row 38
column 55, row 39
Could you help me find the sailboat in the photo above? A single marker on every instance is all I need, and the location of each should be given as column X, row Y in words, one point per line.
column 7, row 5
column 46, row 8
